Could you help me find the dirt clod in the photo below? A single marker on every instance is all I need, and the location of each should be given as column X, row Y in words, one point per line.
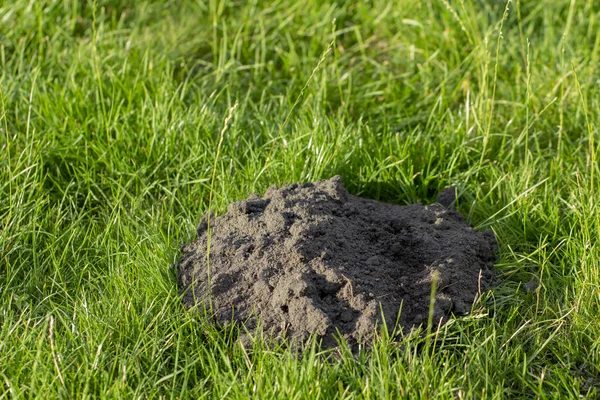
column 312, row 259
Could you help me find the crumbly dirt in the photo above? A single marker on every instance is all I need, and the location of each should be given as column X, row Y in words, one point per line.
column 312, row 259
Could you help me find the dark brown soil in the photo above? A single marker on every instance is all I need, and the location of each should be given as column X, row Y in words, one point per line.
column 312, row 259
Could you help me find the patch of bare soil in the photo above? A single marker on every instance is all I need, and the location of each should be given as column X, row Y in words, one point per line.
column 312, row 259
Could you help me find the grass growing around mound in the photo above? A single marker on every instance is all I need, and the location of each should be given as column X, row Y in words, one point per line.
column 118, row 131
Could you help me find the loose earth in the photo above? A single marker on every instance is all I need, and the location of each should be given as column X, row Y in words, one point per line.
column 312, row 259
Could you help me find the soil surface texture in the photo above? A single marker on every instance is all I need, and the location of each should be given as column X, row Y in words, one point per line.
column 312, row 259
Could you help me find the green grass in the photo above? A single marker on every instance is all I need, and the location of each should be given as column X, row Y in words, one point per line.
column 113, row 125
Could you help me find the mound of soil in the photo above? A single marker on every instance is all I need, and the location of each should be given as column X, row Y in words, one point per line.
column 312, row 259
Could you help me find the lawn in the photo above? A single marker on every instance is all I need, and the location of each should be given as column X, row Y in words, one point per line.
column 122, row 123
